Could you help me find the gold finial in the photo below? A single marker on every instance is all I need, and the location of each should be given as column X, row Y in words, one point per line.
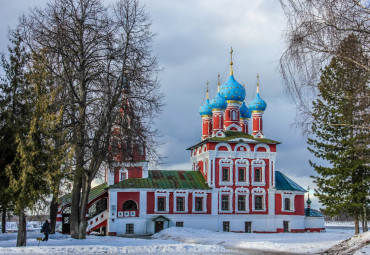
column 244, row 89
column 207, row 90
column 218, row 82
column 258, row 83
column 308, row 190
column 231, row 61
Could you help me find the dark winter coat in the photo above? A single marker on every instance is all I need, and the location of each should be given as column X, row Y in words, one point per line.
column 46, row 228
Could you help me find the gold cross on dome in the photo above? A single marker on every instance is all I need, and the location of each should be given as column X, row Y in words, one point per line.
column 207, row 90
column 231, row 54
column 231, row 61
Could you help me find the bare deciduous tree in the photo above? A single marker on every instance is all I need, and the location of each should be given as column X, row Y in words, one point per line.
column 97, row 52
column 314, row 31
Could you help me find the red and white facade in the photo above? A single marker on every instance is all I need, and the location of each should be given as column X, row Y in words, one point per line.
column 238, row 188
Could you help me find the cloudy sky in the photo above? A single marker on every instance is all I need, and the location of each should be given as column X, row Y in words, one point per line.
column 192, row 45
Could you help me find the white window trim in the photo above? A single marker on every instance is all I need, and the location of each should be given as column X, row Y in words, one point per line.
column 260, row 164
column 161, row 193
column 225, row 191
column 202, row 194
column 259, row 192
column 242, row 192
column 229, row 164
column 291, row 196
column 244, row 163
column 125, row 172
column 180, row 193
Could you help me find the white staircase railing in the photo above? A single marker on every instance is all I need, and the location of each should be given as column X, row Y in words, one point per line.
column 96, row 220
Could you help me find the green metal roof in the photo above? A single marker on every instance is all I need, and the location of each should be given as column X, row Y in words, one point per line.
column 312, row 213
column 164, row 179
column 94, row 193
column 282, row 182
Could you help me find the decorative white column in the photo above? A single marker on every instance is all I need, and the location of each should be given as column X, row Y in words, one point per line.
column 143, row 203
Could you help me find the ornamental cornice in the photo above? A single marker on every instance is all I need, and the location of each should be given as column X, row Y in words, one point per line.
column 226, row 190
column 242, row 190
column 129, row 164
column 258, row 190
column 245, row 154
column 234, row 154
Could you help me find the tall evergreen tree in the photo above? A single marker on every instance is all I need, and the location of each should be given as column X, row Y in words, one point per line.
column 13, row 112
column 37, row 160
column 340, row 133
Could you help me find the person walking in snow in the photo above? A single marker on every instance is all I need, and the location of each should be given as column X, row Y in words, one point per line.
column 46, row 230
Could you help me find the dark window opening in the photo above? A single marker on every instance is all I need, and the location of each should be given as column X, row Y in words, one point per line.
column 258, row 202
column 129, row 228
column 226, row 226
column 180, row 204
column 123, row 176
column 129, row 205
column 287, row 204
column 179, row 223
column 225, row 203
column 248, row 227
column 225, row 174
column 198, row 204
column 257, row 174
column 241, row 176
column 161, row 204
column 241, row 203
column 286, row 226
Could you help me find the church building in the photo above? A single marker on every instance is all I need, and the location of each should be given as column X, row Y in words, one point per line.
column 233, row 184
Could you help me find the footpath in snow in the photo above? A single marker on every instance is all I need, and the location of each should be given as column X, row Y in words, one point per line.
column 196, row 241
column 63, row 244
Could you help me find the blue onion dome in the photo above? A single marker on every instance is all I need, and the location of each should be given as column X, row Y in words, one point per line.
column 257, row 104
column 245, row 113
column 232, row 90
column 205, row 109
column 218, row 102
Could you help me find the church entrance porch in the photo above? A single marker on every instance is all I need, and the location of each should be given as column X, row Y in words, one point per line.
column 66, row 229
column 158, row 226
column 160, row 222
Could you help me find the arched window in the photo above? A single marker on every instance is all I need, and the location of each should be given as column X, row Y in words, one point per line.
column 129, row 205
column 287, row 204
column 66, row 210
column 233, row 115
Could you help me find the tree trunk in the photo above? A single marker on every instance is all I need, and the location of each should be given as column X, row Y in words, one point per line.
column 357, row 225
column 364, row 219
column 22, row 229
column 53, row 212
column 3, row 219
column 83, row 207
column 75, row 208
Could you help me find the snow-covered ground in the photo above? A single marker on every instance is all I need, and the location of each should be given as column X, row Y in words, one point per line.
column 190, row 241
column 305, row 243
column 31, row 225
column 341, row 224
